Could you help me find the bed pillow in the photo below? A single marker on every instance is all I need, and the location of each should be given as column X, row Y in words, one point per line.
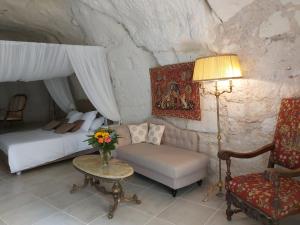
column 52, row 125
column 98, row 122
column 138, row 133
column 155, row 133
column 77, row 126
column 75, row 116
column 88, row 118
column 71, row 113
column 64, row 128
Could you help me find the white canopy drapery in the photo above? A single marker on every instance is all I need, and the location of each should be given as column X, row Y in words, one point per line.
column 59, row 90
column 25, row 61
column 88, row 63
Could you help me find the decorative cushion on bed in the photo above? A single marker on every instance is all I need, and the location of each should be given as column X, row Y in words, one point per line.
column 52, row 125
column 138, row 133
column 97, row 123
column 75, row 116
column 71, row 113
column 77, row 126
column 64, row 128
column 88, row 118
column 155, row 133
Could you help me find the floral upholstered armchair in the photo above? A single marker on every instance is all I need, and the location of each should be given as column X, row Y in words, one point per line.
column 274, row 194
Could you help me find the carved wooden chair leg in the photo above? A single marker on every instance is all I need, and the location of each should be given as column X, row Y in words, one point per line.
column 229, row 211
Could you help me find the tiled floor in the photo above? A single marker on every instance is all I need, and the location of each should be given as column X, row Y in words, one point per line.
column 41, row 197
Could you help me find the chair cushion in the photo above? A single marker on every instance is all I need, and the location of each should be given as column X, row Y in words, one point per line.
column 259, row 192
column 163, row 159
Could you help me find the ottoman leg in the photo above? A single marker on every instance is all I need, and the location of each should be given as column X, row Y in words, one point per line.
column 199, row 182
column 174, row 192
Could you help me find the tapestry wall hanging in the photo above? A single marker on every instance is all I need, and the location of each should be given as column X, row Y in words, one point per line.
column 174, row 93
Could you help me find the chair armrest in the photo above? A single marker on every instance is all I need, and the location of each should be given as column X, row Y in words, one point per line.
column 281, row 172
column 225, row 155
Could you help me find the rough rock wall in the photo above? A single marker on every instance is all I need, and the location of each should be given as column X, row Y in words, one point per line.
column 142, row 34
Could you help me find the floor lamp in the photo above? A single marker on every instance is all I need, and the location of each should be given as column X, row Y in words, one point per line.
column 214, row 68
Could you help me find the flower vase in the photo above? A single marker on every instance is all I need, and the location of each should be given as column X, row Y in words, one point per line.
column 105, row 157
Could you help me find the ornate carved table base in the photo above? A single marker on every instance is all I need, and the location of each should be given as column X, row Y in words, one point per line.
column 116, row 192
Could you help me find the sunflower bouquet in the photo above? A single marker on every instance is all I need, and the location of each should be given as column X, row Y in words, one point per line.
column 105, row 139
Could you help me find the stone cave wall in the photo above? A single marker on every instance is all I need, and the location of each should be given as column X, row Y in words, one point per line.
column 143, row 34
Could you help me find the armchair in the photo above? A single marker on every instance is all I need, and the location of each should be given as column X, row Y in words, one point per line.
column 15, row 108
column 274, row 194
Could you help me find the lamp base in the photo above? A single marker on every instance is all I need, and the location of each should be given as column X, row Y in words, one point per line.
column 220, row 194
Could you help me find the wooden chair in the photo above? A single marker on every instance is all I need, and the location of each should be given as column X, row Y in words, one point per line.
column 16, row 107
column 274, row 194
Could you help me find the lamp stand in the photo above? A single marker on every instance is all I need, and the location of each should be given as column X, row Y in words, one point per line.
column 217, row 93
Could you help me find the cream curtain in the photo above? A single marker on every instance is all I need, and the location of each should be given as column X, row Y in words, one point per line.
column 60, row 92
column 90, row 66
column 26, row 61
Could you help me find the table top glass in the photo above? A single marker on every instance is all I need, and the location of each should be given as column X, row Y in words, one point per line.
column 91, row 164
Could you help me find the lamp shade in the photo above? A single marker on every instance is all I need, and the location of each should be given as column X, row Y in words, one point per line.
column 217, row 68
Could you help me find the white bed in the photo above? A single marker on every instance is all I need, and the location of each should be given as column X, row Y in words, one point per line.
column 29, row 149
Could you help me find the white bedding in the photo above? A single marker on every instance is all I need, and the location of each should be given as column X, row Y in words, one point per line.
column 32, row 148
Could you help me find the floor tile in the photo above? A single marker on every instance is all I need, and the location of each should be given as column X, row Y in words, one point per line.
column 157, row 221
column 75, row 178
column 89, row 208
column 11, row 202
column 153, row 201
column 237, row 219
column 131, row 188
column 64, row 199
column 243, row 219
column 59, row 219
column 292, row 220
column 186, row 213
column 198, row 194
column 4, row 173
column 47, row 188
column 138, row 179
column 28, row 214
column 123, row 216
column 11, row 189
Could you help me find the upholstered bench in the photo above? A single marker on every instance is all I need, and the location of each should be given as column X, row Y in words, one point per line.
column 175, row 163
